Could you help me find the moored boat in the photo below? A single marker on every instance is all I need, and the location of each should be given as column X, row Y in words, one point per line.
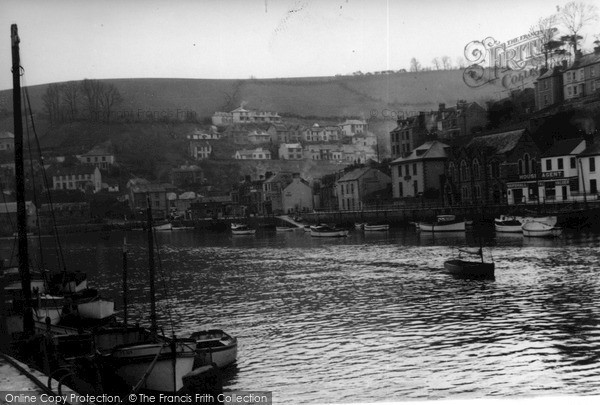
column 376, row 227
column 215, row 346
column 242, row 229
column 284, row 228
column 326, row 231
column 163, row 227
column 444, row 223
column 514, row 224
column 470, row 268
column 540, row 229
column 359, row 226
column 96, row 309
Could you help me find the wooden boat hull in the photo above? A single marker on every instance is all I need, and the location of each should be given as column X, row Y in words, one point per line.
column 215, row 347
column 97, row 309
column 379, row 228
column 243, row 231
column 284, row 229
column 436, row 227
column 466, row 268
column 132, row 362
column 508, row 226
column 329, row 234
column 540, row 230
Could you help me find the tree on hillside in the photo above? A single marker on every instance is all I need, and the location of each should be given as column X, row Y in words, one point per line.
column 71, row 98
column 446, row 62
column 436, row 63
column 91, row 91
column 544, row 31
column 415, row 66
column 109, row 99
column 52, row 106
column 574, row 17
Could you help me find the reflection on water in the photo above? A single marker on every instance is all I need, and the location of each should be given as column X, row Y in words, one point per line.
column 373, row 317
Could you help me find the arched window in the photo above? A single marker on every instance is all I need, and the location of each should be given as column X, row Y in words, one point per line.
column 451, row 171
column 534, row 168
column 521, row 171
column 527, row 164
column 464, row 171
column 476, row 170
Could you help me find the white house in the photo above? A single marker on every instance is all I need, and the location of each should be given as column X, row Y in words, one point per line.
column 297, row 196
column 7, row 141
column 559, row 176
column 253, row 154
column 290, row 151
column 77, row 178
column 589, row 165
column 353, row 127
column 99, row 156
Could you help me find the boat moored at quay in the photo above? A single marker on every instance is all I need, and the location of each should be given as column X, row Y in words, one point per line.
column 443, row 223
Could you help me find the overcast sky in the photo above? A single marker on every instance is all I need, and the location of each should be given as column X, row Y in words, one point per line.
column 72, row 40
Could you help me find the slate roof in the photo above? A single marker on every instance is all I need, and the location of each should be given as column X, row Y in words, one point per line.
column 592, row 149
column 586, row 60
column 429, row 150
column 499, row 143
column 563, row 148
column 354, row 174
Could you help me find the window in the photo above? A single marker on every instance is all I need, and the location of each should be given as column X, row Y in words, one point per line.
column 569, row 90
column 521, row 171
column 548, row 164
column 527, row 163
column 545, row 84
column 592, row 71
column 399, row 171
column 592, row 164
column 477, row 192
column 415, row 188
column 546, row 102
column 593, row 186
column 400, row 190
column 352, row 188
column 476, row 173
column 451, row 171
column 464, row 171
column 414, row 169
column 560, row 163
column 573, row 163
column 104, row 158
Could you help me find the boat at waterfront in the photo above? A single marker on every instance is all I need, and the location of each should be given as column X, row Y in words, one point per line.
column 242, row 229
column 540, row 230
column 214, row 346
column 163, row 227
column 470, row 268
column 359, row 226
column 284, row 228
column 443, row 223
column 514, row 224
column 376, row 227
column 326, row 231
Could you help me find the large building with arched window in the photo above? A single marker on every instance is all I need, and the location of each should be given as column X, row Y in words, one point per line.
column 480, row 172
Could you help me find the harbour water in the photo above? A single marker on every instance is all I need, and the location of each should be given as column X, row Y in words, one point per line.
column 371, row 317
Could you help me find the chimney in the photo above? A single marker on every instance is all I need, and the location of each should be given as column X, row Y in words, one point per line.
column 442, row 106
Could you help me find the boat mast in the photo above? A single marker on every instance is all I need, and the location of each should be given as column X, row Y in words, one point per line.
column 153, row 326
column 125, row 289
column 28, row 326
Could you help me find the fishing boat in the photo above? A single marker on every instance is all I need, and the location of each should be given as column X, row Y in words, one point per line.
column 443, row 223
column 540, row 230
column 96, row 309
column 326, row 231
column 156, row 362
column 513, row 224
column 163, row 227
column 470, row 268
column 215, row 346
column 376, row 227
column 242, row 229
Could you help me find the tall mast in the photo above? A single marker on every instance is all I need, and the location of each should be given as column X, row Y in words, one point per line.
column 20, row 183
column 153, row 326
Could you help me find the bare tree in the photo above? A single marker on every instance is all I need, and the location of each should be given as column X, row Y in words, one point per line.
column 461, row 63
column 71, row 97
column 574, row 16
column 51, row 99
column 92, row 91
column 109, row 98
column 436, row 63
column 415, row 66
column 446, row 62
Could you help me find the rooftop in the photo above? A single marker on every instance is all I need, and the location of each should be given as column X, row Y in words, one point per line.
column 429, row 150
column 563, row 148
column 500, row 143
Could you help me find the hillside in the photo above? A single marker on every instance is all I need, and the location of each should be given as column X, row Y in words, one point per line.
column 326, row 96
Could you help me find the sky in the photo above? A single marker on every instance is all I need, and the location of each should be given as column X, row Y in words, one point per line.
column 65, row 40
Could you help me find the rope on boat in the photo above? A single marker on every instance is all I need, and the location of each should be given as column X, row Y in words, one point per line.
column 142, row 381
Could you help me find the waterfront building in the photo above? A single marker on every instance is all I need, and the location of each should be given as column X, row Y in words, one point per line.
column 211, row 207
column 273, row 191
column 297, row 196
column 559, row 178
column 481, row 171
column 358, row 187
column 141, row 192
column 83, row 177
column 422, row 170
column 588, row 163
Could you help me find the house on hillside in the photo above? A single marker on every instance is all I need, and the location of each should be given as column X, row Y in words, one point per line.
column 100, row 156
column 284, row 133
column 582, row 78
column 353, row 127
column 317, row 133
column 141, row 193
column 83, row 177
column 360, row 187
column 290, row 151
column 7, row 141
column 481, row 171
column 297, row 196
column 422, row 170
column 199, row 149
column 463, row 120
column 204, row 135
column 410, row 132
column 253, row 154
column 549, row 88
column 258, row 136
